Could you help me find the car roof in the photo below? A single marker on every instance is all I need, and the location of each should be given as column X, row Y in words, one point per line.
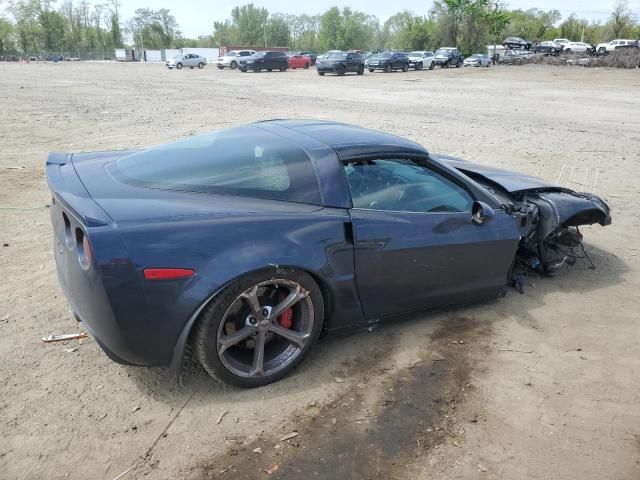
column 350, row 140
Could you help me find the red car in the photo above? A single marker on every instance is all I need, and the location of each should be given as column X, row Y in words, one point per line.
column 299, row 61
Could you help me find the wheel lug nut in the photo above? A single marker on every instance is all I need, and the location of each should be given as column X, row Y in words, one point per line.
column 265, row 312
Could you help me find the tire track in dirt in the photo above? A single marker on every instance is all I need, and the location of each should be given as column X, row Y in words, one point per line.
column 376, row 428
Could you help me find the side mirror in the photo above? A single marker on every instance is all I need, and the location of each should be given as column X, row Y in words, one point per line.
column 482, row 213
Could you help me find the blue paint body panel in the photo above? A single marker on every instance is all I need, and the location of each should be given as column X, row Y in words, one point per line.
column 369, row 264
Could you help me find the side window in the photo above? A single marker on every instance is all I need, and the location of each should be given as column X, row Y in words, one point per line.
column 403, row 185
column 350, row 57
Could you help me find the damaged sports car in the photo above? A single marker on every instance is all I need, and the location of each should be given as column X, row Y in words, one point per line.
column 242, row 246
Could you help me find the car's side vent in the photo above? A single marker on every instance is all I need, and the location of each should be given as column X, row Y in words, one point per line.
column 348, row 233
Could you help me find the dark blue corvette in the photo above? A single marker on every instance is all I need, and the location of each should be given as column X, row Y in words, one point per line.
column 247, row 243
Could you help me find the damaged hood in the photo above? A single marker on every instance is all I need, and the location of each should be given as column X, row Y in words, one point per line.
column 557, row 206
column 510, row 181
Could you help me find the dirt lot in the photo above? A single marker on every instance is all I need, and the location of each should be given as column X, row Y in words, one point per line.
column 544, row 385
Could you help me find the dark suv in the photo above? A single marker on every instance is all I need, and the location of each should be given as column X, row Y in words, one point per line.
column 449, row 57
column 389, row 61
column 265, row 61
column 341, row 63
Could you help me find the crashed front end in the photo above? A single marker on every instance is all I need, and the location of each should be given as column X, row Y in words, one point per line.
column 549, row 217
column 550, row 224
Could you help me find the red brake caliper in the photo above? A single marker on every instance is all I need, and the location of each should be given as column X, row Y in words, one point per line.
column 286, row 319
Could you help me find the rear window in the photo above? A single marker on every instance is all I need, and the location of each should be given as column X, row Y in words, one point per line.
column 244, row 161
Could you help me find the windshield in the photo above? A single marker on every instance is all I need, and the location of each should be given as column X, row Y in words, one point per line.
column 337, row 56
column 415, row 54
column 244, row 161
column 477, row 55
column 443, row 51
column 233, row 53
column 259, row 54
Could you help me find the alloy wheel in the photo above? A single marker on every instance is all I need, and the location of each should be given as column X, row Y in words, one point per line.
column 265, row 328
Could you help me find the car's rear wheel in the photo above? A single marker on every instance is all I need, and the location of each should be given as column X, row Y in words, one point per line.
column 178, row 66
column 220, row 67
column 321, row 74
column 283, row 68
column 405, row 67
column 260, row 327
column 432, row 66
column 233, row 65
column 602, row 50
column 361, row 70
column 371, row 70
column 306, row 66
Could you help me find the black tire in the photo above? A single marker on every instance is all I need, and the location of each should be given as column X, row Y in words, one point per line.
column 321, row 74
column 602, row 50
column 220, row 67
column 432, row 66
column 361, row 70
column 568, row 50
column 306, row 66
column 283, row 68
column 419, row 66
column 178, row 66
column 371, row 70
column 387, row 68
column 208, row 327
column 405, row 67
column 257, row 68
column 191, row 68
column 553, row 50
column 201, row 65
column 269, row 69
column 233, row 65
column 341, row 70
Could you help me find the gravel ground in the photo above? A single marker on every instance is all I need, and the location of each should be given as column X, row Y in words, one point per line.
column 541, row 385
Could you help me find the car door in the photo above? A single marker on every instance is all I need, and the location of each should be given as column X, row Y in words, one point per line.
column 350, row 63
column 416, row 245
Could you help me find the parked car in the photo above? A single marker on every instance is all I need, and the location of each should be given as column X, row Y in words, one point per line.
column 422, row 59
column 190, row 60
column 516, row 42
column 579, row 47
column 613, row 44
column 548, row 47
column 232, row 59
column 265, row 61
column 389, row 61
column 448, row 57
column 561, row 41
column 55, row 58
column 245, row 244
column 298, row 61
column 340, row 63
column 477, row 60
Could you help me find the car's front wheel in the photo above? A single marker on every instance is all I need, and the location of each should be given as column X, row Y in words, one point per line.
column 260, row 327
column 405, row 67
column 371, row 70
column 233, row 65
column 178, row 66
column 361, row 70
column 387, row 69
